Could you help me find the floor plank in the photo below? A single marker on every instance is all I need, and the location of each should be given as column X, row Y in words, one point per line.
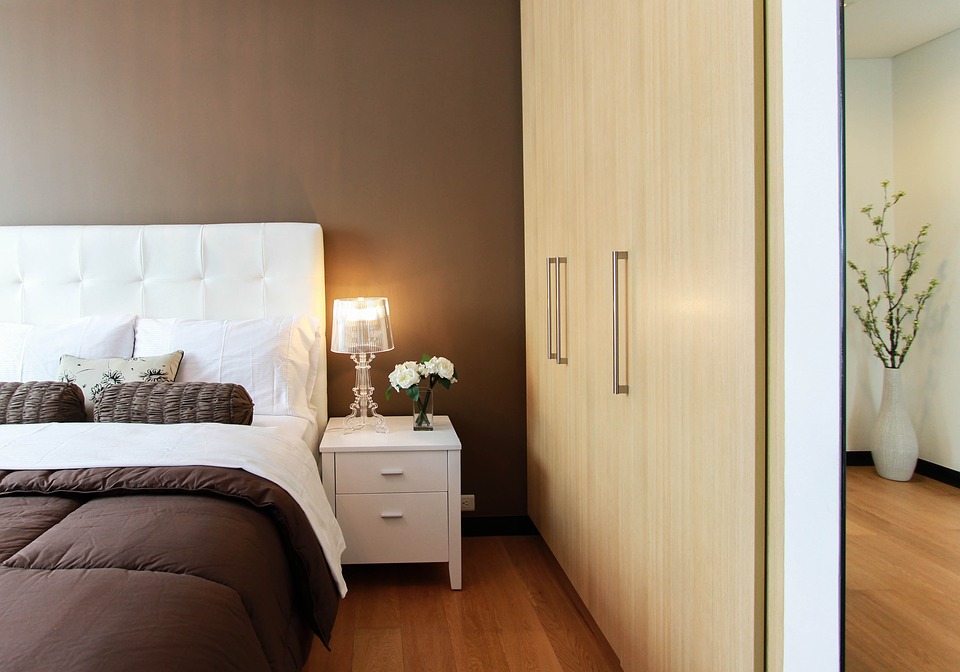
column 516, row 613
column 902, row 574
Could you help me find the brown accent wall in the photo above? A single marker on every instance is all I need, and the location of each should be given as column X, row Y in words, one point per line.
column 396, row 125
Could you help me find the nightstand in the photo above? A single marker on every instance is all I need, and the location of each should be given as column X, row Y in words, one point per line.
column 395, row 495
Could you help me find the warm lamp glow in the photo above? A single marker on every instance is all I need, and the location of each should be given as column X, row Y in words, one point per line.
column 361, row 327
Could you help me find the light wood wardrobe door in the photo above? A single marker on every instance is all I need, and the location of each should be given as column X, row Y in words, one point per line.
column 696, row 339
column 553, row 160
column 574, row 446
column 655, row 508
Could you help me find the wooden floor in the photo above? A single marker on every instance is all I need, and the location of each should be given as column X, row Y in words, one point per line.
column 903, row 574
column 516, row 613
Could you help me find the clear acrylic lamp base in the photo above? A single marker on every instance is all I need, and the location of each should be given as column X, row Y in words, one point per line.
column 363, row 410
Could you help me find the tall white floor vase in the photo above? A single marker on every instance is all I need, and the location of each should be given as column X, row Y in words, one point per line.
column 894, row 439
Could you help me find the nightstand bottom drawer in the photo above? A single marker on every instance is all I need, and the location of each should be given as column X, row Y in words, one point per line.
column 409, row 527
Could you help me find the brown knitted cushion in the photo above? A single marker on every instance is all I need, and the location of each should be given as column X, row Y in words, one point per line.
column 171, row 403
column 40, row 401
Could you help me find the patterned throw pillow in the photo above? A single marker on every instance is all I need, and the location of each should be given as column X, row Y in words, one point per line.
column 93, row 375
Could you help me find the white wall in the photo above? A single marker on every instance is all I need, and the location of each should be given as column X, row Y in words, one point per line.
column 868, row 98
column 926, row 112
column 811, row 177
column 919, row 100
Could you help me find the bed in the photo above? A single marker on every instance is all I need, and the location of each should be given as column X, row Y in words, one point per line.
column 180, row 531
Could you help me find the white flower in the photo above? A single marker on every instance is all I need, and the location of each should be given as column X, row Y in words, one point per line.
column 404, row 375
column 429, row 367
column 443, row 367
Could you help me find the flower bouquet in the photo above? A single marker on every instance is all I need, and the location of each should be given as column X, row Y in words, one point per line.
column 408, row 376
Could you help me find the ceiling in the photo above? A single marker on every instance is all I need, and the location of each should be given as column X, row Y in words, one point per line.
column 885, row 28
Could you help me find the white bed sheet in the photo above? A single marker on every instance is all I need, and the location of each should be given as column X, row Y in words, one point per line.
column 291, row 425
column 274, row 451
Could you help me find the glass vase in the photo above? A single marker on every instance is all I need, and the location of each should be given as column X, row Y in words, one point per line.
column 423, row 410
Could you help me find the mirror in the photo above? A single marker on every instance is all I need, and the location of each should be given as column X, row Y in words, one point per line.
column 902, row 108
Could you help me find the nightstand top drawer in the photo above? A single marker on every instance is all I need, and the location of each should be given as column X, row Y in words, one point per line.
column 422, row 471
column 400, row 437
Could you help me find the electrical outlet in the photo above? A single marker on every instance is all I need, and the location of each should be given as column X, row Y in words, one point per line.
column 468, row 503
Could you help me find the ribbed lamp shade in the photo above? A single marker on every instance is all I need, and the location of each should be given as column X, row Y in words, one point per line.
column 361, row 325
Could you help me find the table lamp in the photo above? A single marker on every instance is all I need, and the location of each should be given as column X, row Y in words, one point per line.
column 361, row 328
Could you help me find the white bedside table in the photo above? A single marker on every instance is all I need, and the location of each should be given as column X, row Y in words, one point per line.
column 395, row 495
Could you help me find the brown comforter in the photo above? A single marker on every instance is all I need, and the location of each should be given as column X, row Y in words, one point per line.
column 157, row 568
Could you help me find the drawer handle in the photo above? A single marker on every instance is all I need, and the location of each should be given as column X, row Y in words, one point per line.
column 392, row 514
column 391, row 472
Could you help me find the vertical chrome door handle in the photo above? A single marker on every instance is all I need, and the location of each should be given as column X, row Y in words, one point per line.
column 551, row 354
column 617, row 387
column 561, row 261
column 554, row 294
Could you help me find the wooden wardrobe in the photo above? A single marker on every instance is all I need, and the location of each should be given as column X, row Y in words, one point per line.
column 643, row 134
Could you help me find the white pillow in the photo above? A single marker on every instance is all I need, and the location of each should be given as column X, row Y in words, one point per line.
column 32, row 352
column 269, row 357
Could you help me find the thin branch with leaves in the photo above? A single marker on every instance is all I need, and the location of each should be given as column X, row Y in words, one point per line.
column 888, row 319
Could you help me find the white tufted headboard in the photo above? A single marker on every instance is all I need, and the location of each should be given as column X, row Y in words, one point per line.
column 202, row 271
